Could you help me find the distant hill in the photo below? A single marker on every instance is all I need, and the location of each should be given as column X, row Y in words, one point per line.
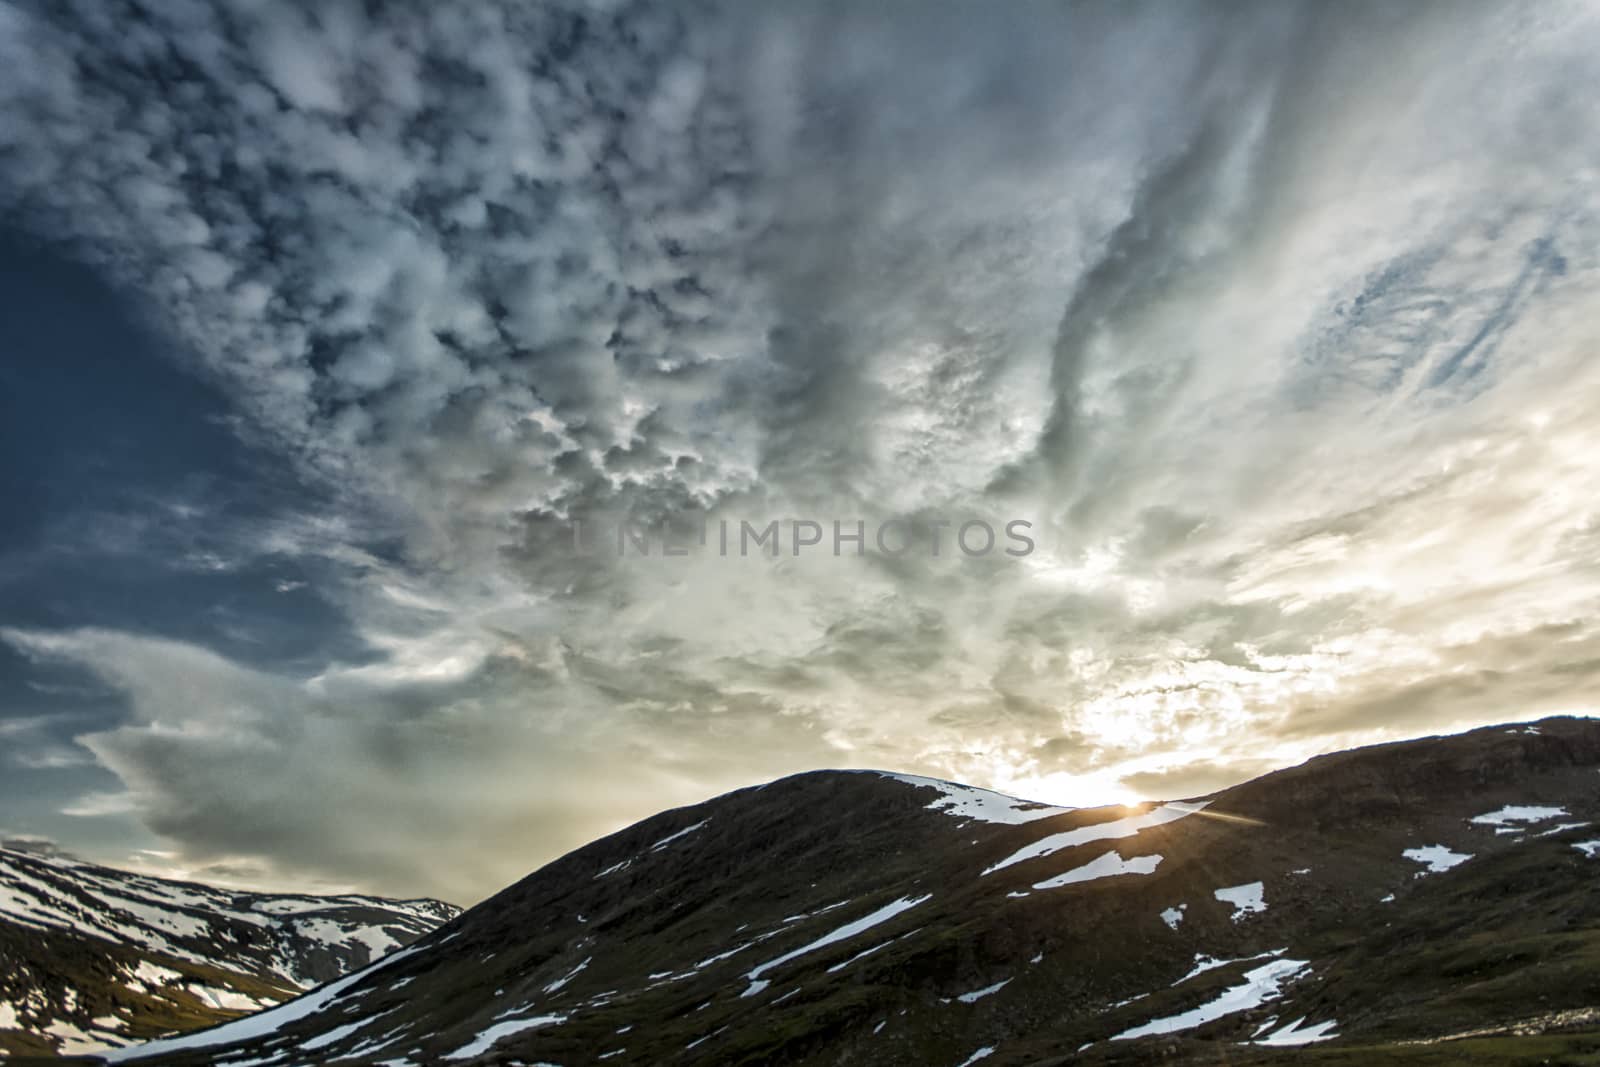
column 1435, row 901
column 92, row 957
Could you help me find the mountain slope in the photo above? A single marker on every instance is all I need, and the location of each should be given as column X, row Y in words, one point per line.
column 93, row 957
column 1333, row 911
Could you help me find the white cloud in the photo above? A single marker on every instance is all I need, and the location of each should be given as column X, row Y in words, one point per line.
column 1273, row 319
column 95, row 805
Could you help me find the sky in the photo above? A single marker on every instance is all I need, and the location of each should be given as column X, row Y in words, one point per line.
column 325, row 330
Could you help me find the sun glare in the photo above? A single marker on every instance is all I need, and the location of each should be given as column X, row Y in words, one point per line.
column 1095, row 790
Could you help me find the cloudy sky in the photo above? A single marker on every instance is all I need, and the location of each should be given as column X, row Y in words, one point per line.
column 321, row 330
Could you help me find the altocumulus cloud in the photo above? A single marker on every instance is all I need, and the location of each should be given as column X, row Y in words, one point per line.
column 1269, row 316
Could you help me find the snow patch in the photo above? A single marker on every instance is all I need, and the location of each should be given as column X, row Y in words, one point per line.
column 1259, row 986
column 1293, row 1035
column 71, row 1041
column 848, row 930
column 1513, row 813
column 334, row 1036
column 670, row 838
column 1173, row 916
column 262, row 1023
column 228, row 999
column 837, row 967
column 153, row 972
column 1204, row 963
column 569, row 976
column 613, row 869
column 1247, row 899
column 969, row 802
column 1107, row 866
column 486, row 1040
column 1101, row 831
column 1437, row 858
column 707, row 1037
column 978, row 994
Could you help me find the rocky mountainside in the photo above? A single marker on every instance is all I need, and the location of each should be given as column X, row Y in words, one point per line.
column 92, row 957
column 1432, row 901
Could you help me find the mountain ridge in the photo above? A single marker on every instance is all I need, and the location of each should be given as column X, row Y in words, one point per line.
column 94, row 956
column 1358, row 907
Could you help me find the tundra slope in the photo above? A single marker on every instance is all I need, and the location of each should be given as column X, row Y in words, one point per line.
column 92, row 957
column 1360, row 908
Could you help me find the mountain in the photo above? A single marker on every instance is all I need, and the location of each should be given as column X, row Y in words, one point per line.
column 92, row 957
column 1427, row 902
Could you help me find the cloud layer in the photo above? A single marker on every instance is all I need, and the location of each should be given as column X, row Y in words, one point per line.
column 1269, row 317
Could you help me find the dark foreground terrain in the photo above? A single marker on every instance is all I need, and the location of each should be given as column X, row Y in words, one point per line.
column 1430, row 902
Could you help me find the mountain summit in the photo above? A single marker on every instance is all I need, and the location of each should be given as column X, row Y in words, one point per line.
column 1368, row 903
